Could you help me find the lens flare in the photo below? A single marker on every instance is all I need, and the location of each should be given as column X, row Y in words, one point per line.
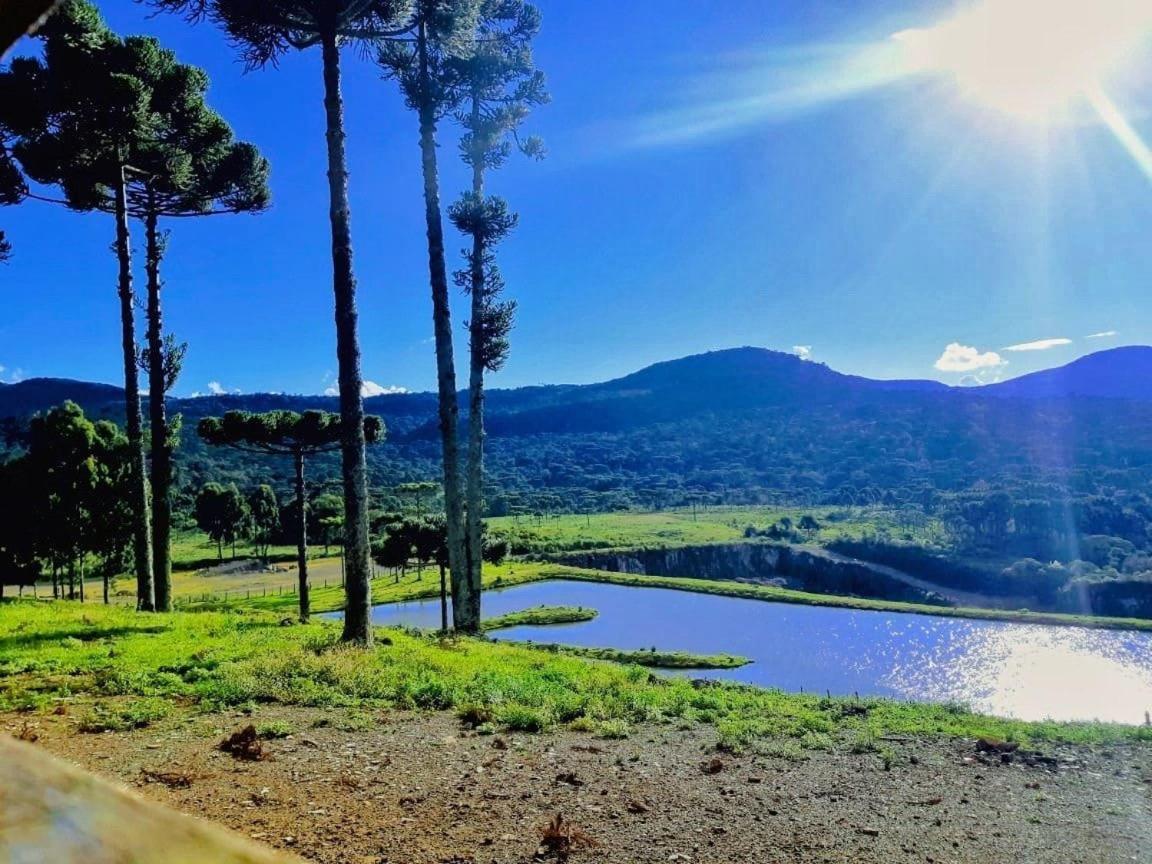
column 1033, row 59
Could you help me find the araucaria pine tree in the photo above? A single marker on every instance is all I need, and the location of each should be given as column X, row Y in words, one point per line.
column 287, row 433
column 118, row 125
column 422, row 61
column 499, row 85
column 264, row 30
column 202, row 171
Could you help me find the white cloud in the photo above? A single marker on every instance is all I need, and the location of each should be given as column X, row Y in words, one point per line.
column 1103, row 334
column 964, row 358
column 215, row 388
column 11, row 376
column 1039, row 345
column 368, row 389
column 804, row 352
column 981, row 377
column 371, row 388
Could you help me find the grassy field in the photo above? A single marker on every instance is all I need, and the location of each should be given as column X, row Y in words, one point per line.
column 111, row 668
column 681, row 527
column 193, row 550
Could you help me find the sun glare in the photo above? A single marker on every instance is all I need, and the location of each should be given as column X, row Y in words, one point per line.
column 1037, row 60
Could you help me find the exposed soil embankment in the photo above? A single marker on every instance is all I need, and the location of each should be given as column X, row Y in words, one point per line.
column 804, row 568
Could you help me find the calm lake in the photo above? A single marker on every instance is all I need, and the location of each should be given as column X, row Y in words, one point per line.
column 1027, row 671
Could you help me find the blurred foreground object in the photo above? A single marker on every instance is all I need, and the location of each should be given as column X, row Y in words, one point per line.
column 53, row 812
column 19, row 18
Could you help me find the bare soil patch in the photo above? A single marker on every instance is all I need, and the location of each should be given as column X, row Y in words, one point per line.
column 417, row 787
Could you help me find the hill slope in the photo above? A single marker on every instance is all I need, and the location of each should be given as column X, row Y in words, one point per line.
column 740, row 426
column 1119, row 373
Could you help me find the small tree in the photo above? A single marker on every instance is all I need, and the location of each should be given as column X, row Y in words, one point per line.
column 265, row 517
column 221, row 513
column 427, row 541
column 495, row 551
column 75, row 473
column 286, row 433
column 418, row 491
column 18, row 530
column 393, row 552
column 326, row 519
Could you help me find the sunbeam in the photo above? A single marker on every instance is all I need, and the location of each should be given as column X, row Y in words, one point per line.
column 1128, row 137
column 1036, row 62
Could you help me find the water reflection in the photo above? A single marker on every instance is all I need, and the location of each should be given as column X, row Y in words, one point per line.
column 1027, row 671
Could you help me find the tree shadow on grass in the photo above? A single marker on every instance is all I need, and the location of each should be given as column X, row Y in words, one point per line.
column 33, row 638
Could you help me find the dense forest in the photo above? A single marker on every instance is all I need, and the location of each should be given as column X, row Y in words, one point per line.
column 1016, row 475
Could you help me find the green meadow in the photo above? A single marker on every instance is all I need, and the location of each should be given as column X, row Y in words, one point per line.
column 111, row 668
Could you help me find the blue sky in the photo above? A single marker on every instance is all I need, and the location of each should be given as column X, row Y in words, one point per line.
column 677, row 212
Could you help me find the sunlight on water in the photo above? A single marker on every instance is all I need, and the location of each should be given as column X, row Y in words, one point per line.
column 1034, row 672
column 1026, row 671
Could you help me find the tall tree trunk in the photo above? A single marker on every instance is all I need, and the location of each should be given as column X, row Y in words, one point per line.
column 138, row 484
column 302, row 539
column 443, row 601
column 475, row 479
column 464, row 606
column 158, row 421
column 357, row 582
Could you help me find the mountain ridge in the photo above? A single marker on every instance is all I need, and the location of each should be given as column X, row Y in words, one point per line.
column 731, row 377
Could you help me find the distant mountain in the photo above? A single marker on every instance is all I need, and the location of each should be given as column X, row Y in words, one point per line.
column 39, row 394
column 1119, row 373
column 734, row 379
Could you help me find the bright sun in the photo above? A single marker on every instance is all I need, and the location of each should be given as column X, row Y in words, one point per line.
column 1032, row 59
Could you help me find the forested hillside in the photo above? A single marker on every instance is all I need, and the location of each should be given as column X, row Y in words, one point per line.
column 735, row 426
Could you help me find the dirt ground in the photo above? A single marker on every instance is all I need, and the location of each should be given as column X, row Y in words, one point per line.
column 419, row 788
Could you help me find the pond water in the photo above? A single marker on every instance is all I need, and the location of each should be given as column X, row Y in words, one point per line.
column 1027, row 671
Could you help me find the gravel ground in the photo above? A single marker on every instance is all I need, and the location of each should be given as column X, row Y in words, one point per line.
column 416, row 787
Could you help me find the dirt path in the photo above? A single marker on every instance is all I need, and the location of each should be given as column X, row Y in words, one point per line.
column 418, row 788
